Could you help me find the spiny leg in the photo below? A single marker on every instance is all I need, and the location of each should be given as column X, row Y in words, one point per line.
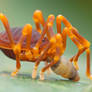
column 56, row 58
column 57, row 48
column 64, row 36
column 71, row 59
column 29, row 35
column 42, row 55
column 74, row 35
column 26, row 32
column 28, row 54
column 18, row 65
column 73, row 38
column 50, row 33
column 17, row 48
column 83, row 41
column 48, row 70
column 47, row 26
column 60, row 19
column 82, row 45
column 75, row 59
column 34, row 73
column 88, row 72
column 7, row 27
column 86, row 48
column 46, row 30
column 76, row 42
column 38, row 19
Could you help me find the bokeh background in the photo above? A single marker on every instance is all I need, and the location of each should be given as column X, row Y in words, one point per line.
column 19, row 13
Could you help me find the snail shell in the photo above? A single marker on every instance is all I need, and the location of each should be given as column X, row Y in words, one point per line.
column 65, row 69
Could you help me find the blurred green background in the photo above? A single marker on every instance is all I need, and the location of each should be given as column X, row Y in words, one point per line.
column 19, row 13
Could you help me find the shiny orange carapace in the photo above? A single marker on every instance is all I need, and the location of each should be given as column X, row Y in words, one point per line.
column 36, row 45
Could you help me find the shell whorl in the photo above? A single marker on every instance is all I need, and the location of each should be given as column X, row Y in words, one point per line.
column 66, row 69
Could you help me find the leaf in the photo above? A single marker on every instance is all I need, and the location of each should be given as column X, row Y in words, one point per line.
column 23, row 82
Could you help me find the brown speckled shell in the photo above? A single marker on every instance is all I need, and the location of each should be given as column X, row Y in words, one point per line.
column 65, row 69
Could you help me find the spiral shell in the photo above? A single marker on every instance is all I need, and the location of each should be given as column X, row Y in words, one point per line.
column 65, row 69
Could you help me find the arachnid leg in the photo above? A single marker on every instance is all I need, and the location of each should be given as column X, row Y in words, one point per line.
column 17, row 48
column 46, row 30
column 18, row 65
column 71, row 59
column 64, row 37
column 50, row 33
column 60, row 19
column 7, row 27
column 56, row 58
column 80, row 42
column 34, row 73
column 83, row 45
column 49, row 25
column 26, row 32
column 88, row 72
column 38, row 19
column 86, row 47
column 64, row 34
column 48, row 70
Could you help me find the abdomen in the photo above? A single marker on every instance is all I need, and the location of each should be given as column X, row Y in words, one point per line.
column 16, row 33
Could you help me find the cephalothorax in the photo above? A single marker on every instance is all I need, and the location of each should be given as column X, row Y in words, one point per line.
column 36, row 45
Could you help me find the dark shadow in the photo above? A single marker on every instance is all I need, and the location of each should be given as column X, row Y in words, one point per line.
column 29, row 76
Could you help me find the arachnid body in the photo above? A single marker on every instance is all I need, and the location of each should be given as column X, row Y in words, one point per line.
column 36, row 45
